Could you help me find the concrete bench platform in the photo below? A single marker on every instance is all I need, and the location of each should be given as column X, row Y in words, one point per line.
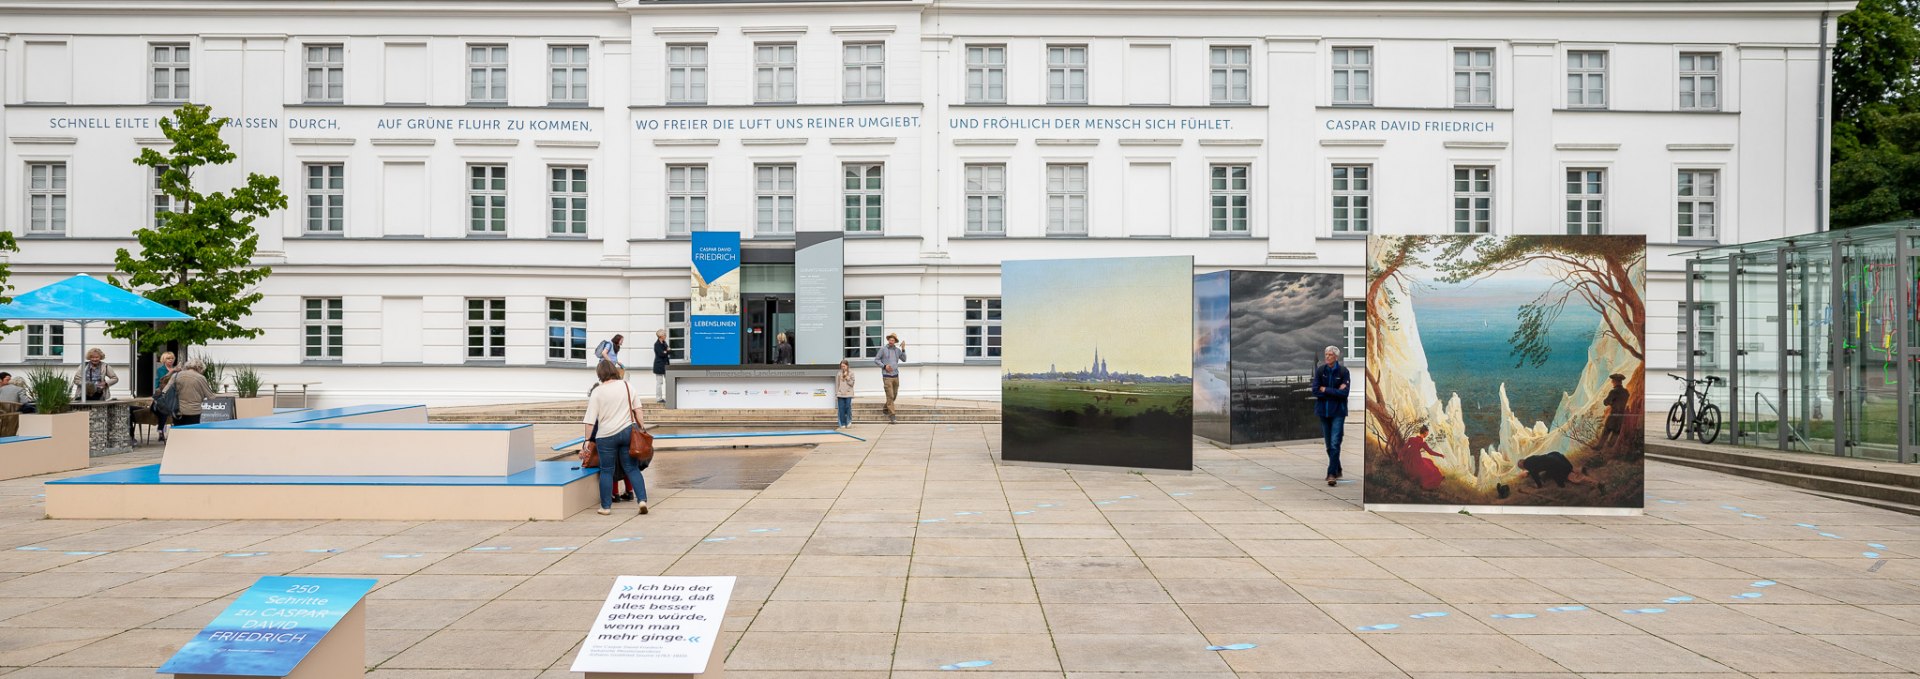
column 745, row 438
column 548, row 491
column 34, row 455
column 368, row 440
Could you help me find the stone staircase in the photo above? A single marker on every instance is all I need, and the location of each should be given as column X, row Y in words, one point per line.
column 1887, row 485
column 914, row 412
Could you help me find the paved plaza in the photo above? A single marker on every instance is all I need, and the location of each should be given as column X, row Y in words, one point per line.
column 914, row 551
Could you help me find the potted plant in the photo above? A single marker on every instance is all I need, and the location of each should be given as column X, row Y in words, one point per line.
column 54, row 414
column 248, row 401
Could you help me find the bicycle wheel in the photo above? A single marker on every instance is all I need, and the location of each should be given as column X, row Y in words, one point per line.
column 1676, row 421
column 1709, row 423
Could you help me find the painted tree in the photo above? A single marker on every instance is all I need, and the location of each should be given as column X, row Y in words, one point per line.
column 1403, row 252
column 199, row 258
column 7, row 244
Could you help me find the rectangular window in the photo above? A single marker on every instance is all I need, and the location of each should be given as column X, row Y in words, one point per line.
column 1066, row 74
column 986, row 200
column 162, row 203
column 773, row 200
column 1699, row 203
column 983, row 327
column 864, row 326
column 172, row 72
column 1473, row 77
column 567, row 74
column 46, row 341
column 1352, row 76
column 486, row 74
column 987, row 74
column 774, row 73
column 1700, row 82
column 567, row 201
column 486, row 329
column 686, row 199
column 1706, row 348
column 1355, row 324
column 1352, row 199
column 1230, row 75
column 686, row 74
column 567, row 330
column 46, row 199
column 1230, row 197
column 1586, row 80
column 862, row 184
column 326, row 194
column 1472, row 199
column 326, row 74
column 1066, row 200
column 865, row 64
column 487, row 199
column 324, row 327
column 1586, row 202
column 677, row 329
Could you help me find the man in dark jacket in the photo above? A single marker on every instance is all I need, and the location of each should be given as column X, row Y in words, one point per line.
column 1616, row 402
column 660, row 366
column 1330, row 384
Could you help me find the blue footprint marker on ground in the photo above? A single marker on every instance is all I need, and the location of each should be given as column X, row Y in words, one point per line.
column 1233, row 647
column 1023, row 512
column 1127, row 497
column 1678, row 599
column 558, row 549
column 84, row 553
column 1876, row 545
column 1829, row 535
column 1432, row 614
column 1753, row 516
column 400, row 556
column 1566, row 609
column 1806, row 525
column 931, row 520
column 322, row 551
column 1643, row 611
column 1104, row 502
column 764, row 530
column 1870, row 555
column 1730, row 508
column 968, row 664
column 1747, row 595
column 1764, row 583
column 1266, row 488
column 1670, row 502
column 243, row 555
column 1512, row 616
column 1180, row 494
column 965, row 513
column 178, row 550
column 623, row 539
column 489, row 549
column 1376, row 628
column 29, row 549
column 724, row 539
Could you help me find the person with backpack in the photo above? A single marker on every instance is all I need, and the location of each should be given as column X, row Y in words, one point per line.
column 188, row 390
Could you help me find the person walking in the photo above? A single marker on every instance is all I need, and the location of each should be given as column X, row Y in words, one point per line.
column 15, row 394
column 94, row 377
column 660, row 353
column 611, row 412
column 889, row 360
column 782, row 350
column 608, row 352
column 843, row 394
column 190, row 386
column 1330, row 385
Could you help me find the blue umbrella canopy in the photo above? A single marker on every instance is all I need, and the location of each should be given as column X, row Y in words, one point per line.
column 84, row 298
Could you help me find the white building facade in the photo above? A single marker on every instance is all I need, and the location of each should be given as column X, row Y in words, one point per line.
column 475, row 186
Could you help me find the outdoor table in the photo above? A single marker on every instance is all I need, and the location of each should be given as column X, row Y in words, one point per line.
column 110, row 424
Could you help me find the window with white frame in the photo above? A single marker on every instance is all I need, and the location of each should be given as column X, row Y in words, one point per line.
column 567, row 330
column 162, row 202
column 1472, row 199
column 46, row 341
column 863, row 323
column 487, row 199
column 1699, row 81
column 983, row 327
column 1473, row 77
column 46, row 199
column 686, row 199
column 986, row 74
column 677, row 329
column 1352, row 76
column 1587, row 79
column 1355, row 325
column 326, row 74
column 865, row 67
column 1066, row 199
column 566, row 201
column 486, row 74
column 171, row 72
column 1230, row 75
column 686, row 74
column 1707, row 346
column 861, row 186
column 326, row 199
column 486, row 329
column 323, row 325
column 1586, row 202
column 775, row 68
column 773, row 200
column 1352, row 199
column 986, row 197
column 567, row 74
column 1066, row 74
column 1229, row 199
column 1698, row 216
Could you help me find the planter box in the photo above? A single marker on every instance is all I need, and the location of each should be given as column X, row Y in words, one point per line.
column 65, row 450
column 258, row 406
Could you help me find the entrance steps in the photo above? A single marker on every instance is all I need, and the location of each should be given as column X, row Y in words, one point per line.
column 910, row 412
column 1888, row 485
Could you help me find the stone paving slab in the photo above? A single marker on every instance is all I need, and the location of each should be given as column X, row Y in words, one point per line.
column 913, row 550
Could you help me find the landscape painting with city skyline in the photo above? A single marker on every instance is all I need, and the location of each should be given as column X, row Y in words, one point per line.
column 1097, row 362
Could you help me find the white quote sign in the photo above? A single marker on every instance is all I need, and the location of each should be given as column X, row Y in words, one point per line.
column 664, row 625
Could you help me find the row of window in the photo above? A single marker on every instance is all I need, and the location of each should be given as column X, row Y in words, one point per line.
column 863, row 65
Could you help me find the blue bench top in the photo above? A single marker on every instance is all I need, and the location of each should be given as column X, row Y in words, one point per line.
column 719, row 435
column 314, row 420
column 20, row 439
column 542, row 474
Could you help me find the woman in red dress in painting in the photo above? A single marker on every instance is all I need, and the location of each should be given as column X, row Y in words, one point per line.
column 1413, row 457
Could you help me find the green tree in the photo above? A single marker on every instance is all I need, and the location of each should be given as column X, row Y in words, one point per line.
column 7, row 244
column 1876, row 109
column 199, row 258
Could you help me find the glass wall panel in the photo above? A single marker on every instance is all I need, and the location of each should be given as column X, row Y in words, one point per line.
column 1712, row 345
column 1810, row 349
column 1757, row 349
column 1871, row 305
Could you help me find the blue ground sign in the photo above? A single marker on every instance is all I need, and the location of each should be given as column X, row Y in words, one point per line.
column 270, row 628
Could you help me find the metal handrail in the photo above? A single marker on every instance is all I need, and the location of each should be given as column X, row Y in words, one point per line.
column 1792, row 433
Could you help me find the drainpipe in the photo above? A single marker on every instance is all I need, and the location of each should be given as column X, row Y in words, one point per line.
column 1821, row 139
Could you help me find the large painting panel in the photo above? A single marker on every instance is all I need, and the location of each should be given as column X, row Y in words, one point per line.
column 1282, row 323
column 1097, row 362
column 1506, row 371
column 1212, row 356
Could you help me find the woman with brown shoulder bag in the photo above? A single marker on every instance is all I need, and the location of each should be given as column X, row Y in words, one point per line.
column 616, row 435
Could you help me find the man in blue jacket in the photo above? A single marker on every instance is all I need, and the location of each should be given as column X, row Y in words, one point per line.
column 1330, row 384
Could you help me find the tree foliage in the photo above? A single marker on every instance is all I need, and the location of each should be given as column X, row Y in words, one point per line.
column 1876, row 108
column 199, row 258
column 7, row 244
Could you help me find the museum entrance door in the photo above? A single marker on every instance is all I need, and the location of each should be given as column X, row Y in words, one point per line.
column 762, row 319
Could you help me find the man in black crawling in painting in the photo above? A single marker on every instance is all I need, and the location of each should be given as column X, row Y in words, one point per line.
column 1553, row 467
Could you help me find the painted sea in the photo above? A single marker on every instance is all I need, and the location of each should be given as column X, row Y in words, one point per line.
column 1467, row 330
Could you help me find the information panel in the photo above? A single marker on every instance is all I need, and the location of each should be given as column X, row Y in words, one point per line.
column 714, row 338
column 817, row 265
column 217, row 409
column 270, row 628
column 656, row 625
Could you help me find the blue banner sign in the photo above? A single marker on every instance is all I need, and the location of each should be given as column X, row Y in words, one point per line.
column 714, row 338
column 270, row 628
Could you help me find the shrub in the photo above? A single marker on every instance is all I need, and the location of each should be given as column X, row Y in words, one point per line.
column 213, row 372
column 52, row 391
column 246, row 381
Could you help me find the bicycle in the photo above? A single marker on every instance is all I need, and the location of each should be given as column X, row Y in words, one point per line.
column 1704, row 421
